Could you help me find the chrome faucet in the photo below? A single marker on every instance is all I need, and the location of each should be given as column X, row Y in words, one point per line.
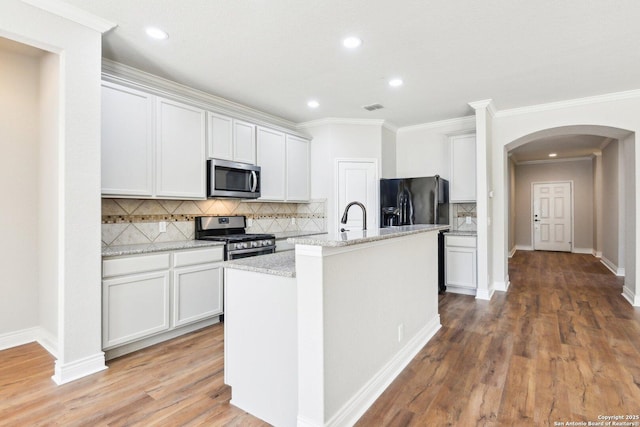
column 364, row 214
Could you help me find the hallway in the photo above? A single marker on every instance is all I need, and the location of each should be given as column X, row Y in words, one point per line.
column 561, row 345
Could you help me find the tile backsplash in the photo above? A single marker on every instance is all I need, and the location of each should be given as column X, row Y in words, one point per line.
column 136, row 221
column 460, row 212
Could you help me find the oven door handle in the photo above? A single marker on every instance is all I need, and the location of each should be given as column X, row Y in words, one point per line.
column 254, row 181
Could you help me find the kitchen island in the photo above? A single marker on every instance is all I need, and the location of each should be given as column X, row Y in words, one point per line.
column 314, row 336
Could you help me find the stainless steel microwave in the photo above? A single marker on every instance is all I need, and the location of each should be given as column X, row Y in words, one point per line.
column 232, row 179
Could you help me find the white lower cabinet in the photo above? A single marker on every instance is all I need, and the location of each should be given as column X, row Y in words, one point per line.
column 197, row 293
column 460, row 261
column 152, row 297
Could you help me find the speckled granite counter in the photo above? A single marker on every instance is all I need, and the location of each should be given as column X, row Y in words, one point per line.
column 121, row 250
column 278, row 264
column 355, row 237
column 291, row 234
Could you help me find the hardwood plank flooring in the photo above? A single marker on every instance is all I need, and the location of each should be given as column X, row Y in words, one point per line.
column 561, row 345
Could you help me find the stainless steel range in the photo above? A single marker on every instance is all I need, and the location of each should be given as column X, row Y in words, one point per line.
column 231, row 230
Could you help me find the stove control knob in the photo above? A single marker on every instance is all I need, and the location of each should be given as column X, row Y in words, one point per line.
column 254, row 244
column 245, row 246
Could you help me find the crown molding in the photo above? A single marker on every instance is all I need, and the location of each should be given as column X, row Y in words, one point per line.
column 486, row 104
column 608, row 97
column 73, row 13
column 390, row 126
column 561, row 160
column 123, row 74
column 462, row 122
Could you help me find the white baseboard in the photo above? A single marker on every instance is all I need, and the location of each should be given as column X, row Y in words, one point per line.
column 583, row 251
column 612, row 267
column 25, row 336
column 631, row 296
column 502, row 286
column 597, row 254
column 367, row 395
column 512, row 252
column 65, row 373
column 524, row 247
column 485, row 294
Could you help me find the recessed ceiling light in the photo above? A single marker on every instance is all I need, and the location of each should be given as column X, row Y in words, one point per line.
column 352, row 42
column 553, row 154
column 157, row 33
column 313, row 104
column 395, row 82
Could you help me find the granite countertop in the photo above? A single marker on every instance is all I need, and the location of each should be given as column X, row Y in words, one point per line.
column 277, row 264
column 289, row 234
column 355, row 237
column 145, row 248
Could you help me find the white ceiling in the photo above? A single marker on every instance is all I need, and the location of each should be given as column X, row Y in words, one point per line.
column 276, row 55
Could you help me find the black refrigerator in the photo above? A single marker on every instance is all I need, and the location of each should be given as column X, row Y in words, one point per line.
column 407, row 201
column 423, row 200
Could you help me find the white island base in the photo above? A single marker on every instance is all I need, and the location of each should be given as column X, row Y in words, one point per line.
column 318, row 344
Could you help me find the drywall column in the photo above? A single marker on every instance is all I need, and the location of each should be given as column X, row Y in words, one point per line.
column 77, row 251
column 483, row 172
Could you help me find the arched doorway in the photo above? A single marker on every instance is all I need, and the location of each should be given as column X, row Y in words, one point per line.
column 599, row 160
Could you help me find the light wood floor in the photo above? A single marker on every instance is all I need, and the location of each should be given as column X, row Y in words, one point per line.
column 561, row 345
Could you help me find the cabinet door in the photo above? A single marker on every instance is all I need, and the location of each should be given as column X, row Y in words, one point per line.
column 180, row 171
column 197, row 293
column 134, row 307
column 463, row 168
column 244, row 142
column 297, row 169
column 219, row 136
column 461, row 267
column 127, row 141
column 271, row 159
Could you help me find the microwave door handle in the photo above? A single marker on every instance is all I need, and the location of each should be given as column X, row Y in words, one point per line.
column 254, row 181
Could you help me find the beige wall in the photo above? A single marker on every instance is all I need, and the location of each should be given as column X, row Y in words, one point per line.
column 581, row 173
column 19, row 82
column 610, row 199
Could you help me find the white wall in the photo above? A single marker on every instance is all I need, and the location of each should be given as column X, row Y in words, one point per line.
column 512, row 206
column 77, row 249
column 423, row 150
column 630, row 157
column 598, row 206
column 615, row 116
column 19, row 133
column 580, row 172
column 388, row 153
column 334, row 139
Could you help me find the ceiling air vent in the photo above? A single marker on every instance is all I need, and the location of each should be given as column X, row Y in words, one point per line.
column 373, row 107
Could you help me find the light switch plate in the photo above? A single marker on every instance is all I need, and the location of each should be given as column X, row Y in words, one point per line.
column 162, row 226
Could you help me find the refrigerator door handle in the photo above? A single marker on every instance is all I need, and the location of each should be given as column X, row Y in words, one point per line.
column 436, row 199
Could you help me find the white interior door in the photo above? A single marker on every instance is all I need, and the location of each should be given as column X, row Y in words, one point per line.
column 552, row 216
column 358, row 181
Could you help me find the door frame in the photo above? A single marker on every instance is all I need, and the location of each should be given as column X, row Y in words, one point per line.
column 336, row 174
column 533, row 236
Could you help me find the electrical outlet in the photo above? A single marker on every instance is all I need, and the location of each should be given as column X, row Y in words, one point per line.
column 293, row 221
column 467, row 220
column 400, row 332
column 162, row 226
column 249, row 222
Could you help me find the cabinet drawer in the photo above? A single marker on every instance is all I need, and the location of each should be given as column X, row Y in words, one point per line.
column 199, row 256
column 461, row 241
column 135, row 264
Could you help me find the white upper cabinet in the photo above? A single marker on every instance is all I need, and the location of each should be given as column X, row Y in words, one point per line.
column 463, row 168
column 220, row 136
column 271, row 159
column 151, row 147
column 284, row 164
column 180, row 150
column 231, row 139
column 127, row 141
column 297, row 169
column 244, row 142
